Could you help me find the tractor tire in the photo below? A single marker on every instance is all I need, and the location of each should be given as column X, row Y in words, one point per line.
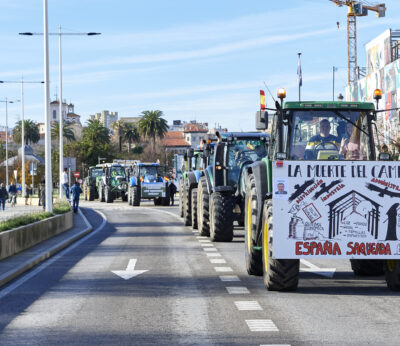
column 124, row 197
column 203, row 206
column 279, row 274
column 367, row 267
column 253, row 257
column 85, row 193
column 108, row 195
column 91, row 193
column 194, row 209
column 221, row 217
column 101, row 193
column 165, row 201
column 181, row 202
column 157, row 201
column 129, row 196
column 136, row 196
column 392, row 274
column 187, row 216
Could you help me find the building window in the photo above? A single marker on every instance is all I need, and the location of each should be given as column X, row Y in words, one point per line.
column 54, row 114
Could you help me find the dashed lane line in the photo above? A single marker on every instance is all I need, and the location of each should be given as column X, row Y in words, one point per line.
column 275, row 345
column 205, row 245
column 237, row 290
column 229, row 278
column 213, row 254
column 204, row 241
column 201, row 237
column 248, row 305
column 211, row 249
column 217, row 260
column 262, row 326
column 223, row 269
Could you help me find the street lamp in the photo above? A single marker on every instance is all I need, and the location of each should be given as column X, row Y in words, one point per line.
column 61, row 118
column 22, row 128
column 6, row 101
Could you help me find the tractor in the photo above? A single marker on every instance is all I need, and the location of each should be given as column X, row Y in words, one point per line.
column 113, row 183
column 221, row 189
column 90, row 183
column 325, row 190
column 149, row 181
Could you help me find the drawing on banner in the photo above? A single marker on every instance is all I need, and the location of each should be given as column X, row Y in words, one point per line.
column 382, row 192
column 325, row 188
column 300, row 189
column 280, row 189
column 311, row 212
column 393, row 222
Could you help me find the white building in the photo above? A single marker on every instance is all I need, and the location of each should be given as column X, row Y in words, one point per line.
column 105, row 117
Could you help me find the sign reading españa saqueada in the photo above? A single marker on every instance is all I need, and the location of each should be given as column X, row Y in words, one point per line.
column 346, row 209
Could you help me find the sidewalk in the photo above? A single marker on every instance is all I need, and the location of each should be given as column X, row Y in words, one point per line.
column 10, row 212
column 13, row 266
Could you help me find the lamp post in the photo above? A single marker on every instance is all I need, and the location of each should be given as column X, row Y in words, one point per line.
column 61, row 118
column 6, row 101
column 22, row 128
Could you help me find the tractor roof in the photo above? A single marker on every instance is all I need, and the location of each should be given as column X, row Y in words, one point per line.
column 141, row 164
column 329, row 105
column 244, row 135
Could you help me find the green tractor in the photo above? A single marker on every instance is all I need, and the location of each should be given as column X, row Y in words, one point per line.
column 325, row 190
column 113, row 183
column 90, row 183
column 221, row 188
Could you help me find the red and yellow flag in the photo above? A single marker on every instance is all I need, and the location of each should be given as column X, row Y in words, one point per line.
column 262, row 99
column 142, row 179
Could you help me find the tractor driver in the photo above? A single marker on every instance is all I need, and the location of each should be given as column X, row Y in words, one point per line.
column 325, row 138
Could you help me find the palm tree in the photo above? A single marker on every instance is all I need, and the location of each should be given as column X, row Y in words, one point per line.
column 68, row 134
column 152, row 125
column 95, row 132
column 119, row 127
column 31, row 132
column 131, row 134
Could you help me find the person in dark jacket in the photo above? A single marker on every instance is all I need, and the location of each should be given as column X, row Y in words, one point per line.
column 3, row 196
column 12, row 191
column 172, row 191
column 75, row 191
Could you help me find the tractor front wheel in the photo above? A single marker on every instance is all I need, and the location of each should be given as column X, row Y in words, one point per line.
column 108, row 195
column 187, row 216
column 136, row 196
column 203, row 207
column 194, row 208
column 91, row 193
column 221, row 217
column 392, row 274
column 367, row 267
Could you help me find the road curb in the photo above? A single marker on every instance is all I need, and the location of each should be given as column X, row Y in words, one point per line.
column 25, row 266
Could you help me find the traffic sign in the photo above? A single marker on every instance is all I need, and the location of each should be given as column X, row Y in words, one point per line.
column 77, row 174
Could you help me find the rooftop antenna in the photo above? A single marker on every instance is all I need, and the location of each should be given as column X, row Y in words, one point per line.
column 269, row 91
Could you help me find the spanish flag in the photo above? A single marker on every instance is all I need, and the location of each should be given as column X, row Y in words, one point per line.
column 142, row 179
column 262, row 99
column 166, row 178
column 250, row 146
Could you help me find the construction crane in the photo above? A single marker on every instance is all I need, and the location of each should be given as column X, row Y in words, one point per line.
column 356, row 9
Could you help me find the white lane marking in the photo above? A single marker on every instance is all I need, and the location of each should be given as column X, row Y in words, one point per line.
column 223, row 269
column 229, row 278
column 213, row 254
column 209, row 249
column 51, row 260
column 217, row 260
column 204, row 241
column 205, row 245
column 312, row 268
column 248, row 305
column 262, row 326
column 275, row 345
column 237, row 290
column 201, row 237
column 130, row 271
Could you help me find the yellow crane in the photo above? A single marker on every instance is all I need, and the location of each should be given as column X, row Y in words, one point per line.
column 356, row 9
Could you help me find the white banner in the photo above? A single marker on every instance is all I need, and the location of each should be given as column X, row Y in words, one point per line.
column 337, row 209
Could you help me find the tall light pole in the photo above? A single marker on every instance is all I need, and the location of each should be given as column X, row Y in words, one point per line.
column 7, row 101
column 22, row 128
column 61, row 118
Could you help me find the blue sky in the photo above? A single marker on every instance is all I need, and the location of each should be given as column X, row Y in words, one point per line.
column 194, row 60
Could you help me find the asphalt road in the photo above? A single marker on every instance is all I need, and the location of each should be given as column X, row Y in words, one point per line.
column 193, row 293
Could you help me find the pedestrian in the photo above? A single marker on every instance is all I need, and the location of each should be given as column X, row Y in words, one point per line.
column 12, row 191
column 27, row 194
column 172, row 191
column 42, row 196
column 75, row 191
column 3, row 196
column 65, row 183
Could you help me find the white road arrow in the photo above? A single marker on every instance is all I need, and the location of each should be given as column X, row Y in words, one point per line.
column 130, row 271
column 312, row 268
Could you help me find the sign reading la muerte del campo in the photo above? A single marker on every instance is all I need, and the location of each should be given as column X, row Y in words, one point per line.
column 347, row 209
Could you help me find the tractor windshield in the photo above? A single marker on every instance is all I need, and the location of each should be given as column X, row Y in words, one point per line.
column 96, row 172
column 148, row 170
column 117, row 171
column 329, row 135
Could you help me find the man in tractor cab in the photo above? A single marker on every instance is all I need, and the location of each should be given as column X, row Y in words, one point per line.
column 324, row 141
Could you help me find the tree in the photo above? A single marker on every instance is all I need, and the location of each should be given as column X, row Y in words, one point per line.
column 152, row 125
column 31, row 132
column 68, row 134
column 119, row 128
column 131, row 134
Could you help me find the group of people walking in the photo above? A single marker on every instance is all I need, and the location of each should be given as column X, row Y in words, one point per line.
column 11, row 194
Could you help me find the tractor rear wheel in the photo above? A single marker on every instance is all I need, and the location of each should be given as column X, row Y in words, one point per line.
column 367, row 267
column 108, row 195
column 101, row 193
column 203, row 206
column 165, row 201
column 279, row 274
column 221, row 217
column 91, row 193
column 181, row 201
column 136, row 196
column 157, row 201
column 194, row 209
column 253, row 256
column 129, row 196
column 187, row 217
column 392, row 274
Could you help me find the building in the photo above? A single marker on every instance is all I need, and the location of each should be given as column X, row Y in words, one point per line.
column 194, row 132
column 105, row 117
column 382, row 72
column 174, row 142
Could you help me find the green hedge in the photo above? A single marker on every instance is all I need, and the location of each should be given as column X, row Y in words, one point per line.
column 59, row 207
